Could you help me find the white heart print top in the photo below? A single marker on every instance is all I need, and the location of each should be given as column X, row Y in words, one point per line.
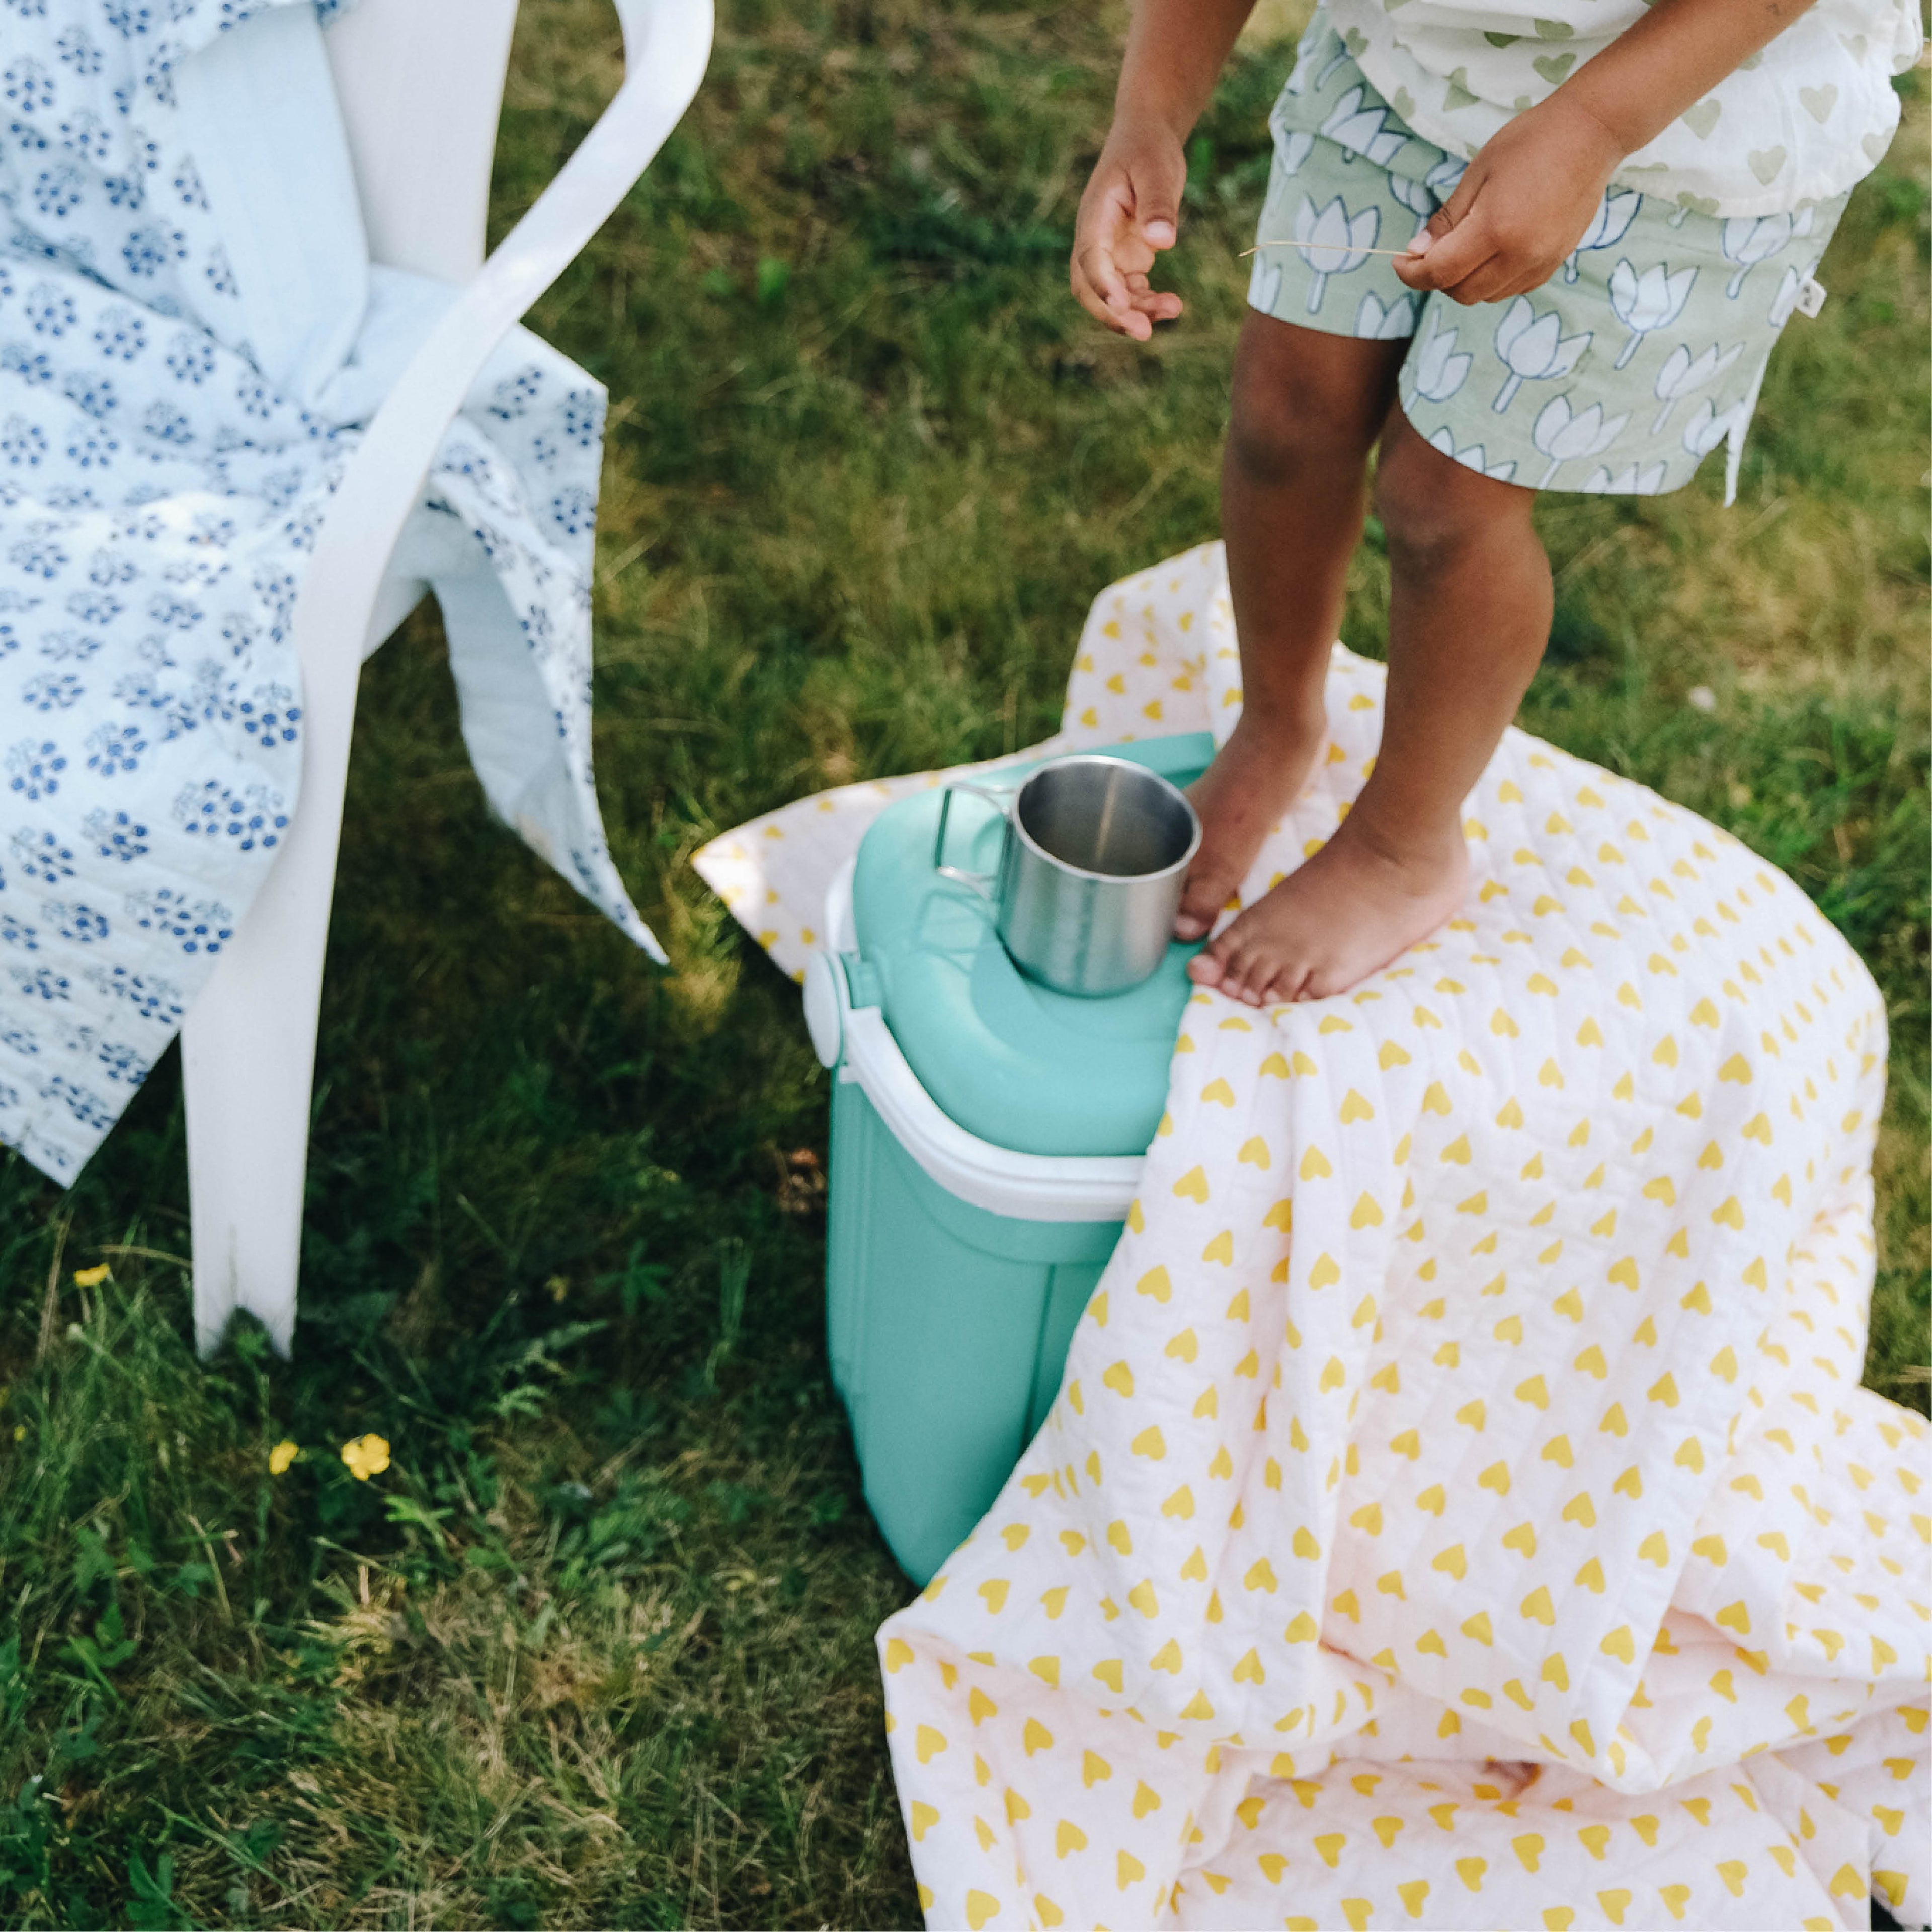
column 1800, row 121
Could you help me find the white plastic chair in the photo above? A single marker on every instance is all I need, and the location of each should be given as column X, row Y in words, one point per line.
column 421, row 84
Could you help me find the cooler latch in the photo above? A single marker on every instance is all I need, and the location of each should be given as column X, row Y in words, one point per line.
column 836, row 984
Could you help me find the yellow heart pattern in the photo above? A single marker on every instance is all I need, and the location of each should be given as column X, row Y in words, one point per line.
column 1474, row 1419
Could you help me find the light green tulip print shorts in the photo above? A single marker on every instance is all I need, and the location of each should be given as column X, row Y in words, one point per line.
column 1619, row 376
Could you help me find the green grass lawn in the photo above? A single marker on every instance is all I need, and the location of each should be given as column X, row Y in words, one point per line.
column 596, row 1648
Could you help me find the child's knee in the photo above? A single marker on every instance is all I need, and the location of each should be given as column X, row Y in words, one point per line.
column 1288, row 423
column 1267, row 441
column 1433, row 507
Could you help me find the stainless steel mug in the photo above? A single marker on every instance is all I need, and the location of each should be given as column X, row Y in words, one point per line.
column 1092, row 858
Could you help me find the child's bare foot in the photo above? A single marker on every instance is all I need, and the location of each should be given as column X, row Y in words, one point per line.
column 1256, row 775
column 1355, row 906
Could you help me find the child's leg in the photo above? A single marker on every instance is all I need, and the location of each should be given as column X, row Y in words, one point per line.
column 1307, row 409
column 1468, row 616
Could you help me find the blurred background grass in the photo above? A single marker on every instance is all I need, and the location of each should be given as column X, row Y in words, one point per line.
column 595, row 1648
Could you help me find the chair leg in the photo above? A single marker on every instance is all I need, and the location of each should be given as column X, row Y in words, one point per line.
column 248, row 1046
column 248, row 1066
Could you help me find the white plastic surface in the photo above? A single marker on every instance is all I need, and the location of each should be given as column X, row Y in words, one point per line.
column 248, row 1048
column 420, row 83
column 824, row 1009
column 841, row 935
column 1021, row 1186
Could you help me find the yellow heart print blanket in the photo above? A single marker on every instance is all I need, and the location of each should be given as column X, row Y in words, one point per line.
column 1460, row 1509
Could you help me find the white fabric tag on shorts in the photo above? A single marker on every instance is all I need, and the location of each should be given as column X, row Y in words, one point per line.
column 1810, row 296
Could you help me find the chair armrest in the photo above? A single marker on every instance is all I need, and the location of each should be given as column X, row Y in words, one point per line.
column 666, row 44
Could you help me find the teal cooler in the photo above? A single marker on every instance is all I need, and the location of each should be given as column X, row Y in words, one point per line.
column 987, row 1139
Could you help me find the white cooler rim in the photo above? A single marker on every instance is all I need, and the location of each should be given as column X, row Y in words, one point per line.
column 1003, row 1181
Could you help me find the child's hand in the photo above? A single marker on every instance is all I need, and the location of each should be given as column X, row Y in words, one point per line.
column 1131, row 210
column 1523, row 204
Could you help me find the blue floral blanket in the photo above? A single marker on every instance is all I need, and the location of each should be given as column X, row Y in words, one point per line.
column 191, row 336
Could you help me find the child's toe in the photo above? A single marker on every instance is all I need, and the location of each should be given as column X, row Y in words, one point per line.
column 1200, row 901
column 1280, row 987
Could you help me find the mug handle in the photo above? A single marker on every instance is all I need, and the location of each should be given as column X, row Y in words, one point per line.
column 978, row 882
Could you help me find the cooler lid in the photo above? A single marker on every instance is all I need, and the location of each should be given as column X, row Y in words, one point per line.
column 1007, row 1059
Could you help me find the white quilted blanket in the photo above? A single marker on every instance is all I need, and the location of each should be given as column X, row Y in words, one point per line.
column 1461, row 1509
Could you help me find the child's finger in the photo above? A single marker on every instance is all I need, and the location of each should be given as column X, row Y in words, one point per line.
column 1462, row 199
column 1444, row 262
column 1508, row 272
column 1106, row 209
column 1108, row 286
column 1089, row 297
column 1158, row 180
column 1455, row 218
column 1086, row 294
column 1093, row 256
column 1488, row 282
column 1454, row 213
column 1132, row 255
column 1107, row 300
column 1159, row 304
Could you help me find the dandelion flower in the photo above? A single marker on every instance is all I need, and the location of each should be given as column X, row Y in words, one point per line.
column 91, row 1277
column 284, row 1452
column 367, row 1456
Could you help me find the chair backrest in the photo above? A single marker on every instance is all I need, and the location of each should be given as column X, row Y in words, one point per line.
column 421, row 84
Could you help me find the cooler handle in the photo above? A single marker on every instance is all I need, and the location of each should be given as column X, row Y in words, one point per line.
column 978, row 882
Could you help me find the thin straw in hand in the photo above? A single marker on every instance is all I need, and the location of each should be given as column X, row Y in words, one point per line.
column 1325, row 248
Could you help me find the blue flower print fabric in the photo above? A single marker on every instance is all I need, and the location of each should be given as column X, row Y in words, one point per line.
column 171, row 430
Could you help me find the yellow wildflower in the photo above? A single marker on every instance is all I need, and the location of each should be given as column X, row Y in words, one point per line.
column 367, row 1456
column 282, row 1455
column 91, row 1277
